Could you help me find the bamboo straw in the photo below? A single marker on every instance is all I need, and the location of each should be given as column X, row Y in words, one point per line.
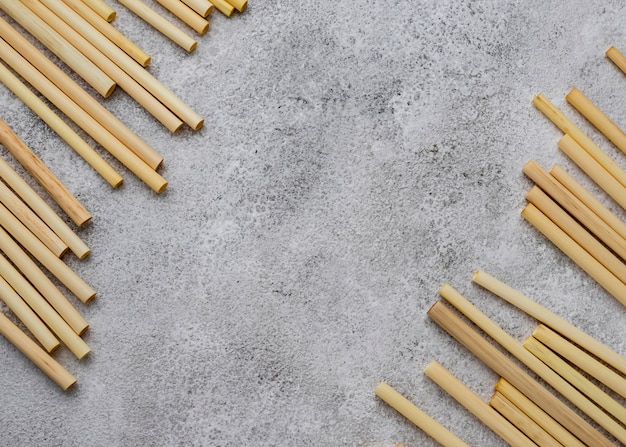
column 86, row 101
column 535, row 365
column 224, row 7
column 42, row 283
column 202, row 7
column 418, row 417
column 576, row 208
column 102, row 9
column 523, row 422
column 578, row 233
column 576, row 253
column 43, row 309
column 43, row 175
column 59, row 126
column 487, row 415
column 542, row 418
column 108, row 30
column 593, row 169
column 239, row 5
column 572, row 376
column 160, row 24
column 550, row 319
column 35, row 354
column 59, row 46
column 186, row 14
column 566, row 126
column 83, row 120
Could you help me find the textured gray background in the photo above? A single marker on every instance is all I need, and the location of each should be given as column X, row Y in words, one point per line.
column 356, row 156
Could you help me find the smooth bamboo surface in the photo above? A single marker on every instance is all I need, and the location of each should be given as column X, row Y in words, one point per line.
column 186, row 14
column 68, row 203
column 505, row 367
column 239, row 5
column 59, row 46
column 102, row 9
column 224, row 7
column 202, row 7
column 35, row 354
column 108, row 30
column 474, row 404
column 59, row 126
column 418, row 417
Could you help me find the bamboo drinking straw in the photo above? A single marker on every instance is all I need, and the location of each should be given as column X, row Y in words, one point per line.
column 523, row 422
column 550, row 319
column 566, row 126
column 42, row 283
column 530, row 361
column 59, row 126
column 102, row 9
column 202, row 7
column 160, row 24
column 224, row 7
column 533, row 411
column 35, row 354
column 59, row 46
column 239, row 5
column 466, row 397
column 43, row 175
column 576, row 253
column 578, row 233
column 593, row 169
column 108, row 30
column 418, row 417
column 581, row 359
column 186, row 14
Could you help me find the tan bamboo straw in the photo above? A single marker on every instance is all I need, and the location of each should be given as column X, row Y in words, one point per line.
column 474, row 404
column 566, row 126
column 550, row 319
column 544, row 372
column 202, row 7
column 506, row 368
column 59, row 46
column 186, row 14
column 43, row 175
column 88, row 103
column 577, row 232
column 83, row 120
column 224, row 7
column 35, row 354
column 59, row 126
column 42, row 283
column 593, row 169
column 533, row 411
column 108, row 30
column 576, row 253
column 418, row 417
column 161, row 24
column 575, row 188
column 522, row 421
column 576, row 208
column 239, row 5
column 102, row 9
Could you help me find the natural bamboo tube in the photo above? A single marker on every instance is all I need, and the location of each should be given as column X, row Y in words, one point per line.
column 202, row 7
column 86, row 101
column 59, row 126
column 550, row 319
column 59, row 46
column 474, row 404
column 42, row 308
column 593, row 169
column 535, row 365
column 522, row 421
column 239, row 5
column 102, row 9
column 161, row 24
column 42, row 283
column 186, row 14
column 576, row 253
column 543, row 419
column 418, row 417
column 577, row 232
column 577, row 380
column 43, row 175
column 35, row 354
column 575, row 188
column 224, row 7
column 566, row 126
column 576, row 208
column 108, row 30
column 82, row 119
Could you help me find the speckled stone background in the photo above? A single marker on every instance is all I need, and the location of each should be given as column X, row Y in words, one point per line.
column 355, row 157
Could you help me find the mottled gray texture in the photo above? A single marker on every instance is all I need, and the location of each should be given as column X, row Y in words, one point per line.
column 355, row 156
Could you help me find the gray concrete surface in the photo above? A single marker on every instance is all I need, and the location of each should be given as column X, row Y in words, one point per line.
column 355, row 157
